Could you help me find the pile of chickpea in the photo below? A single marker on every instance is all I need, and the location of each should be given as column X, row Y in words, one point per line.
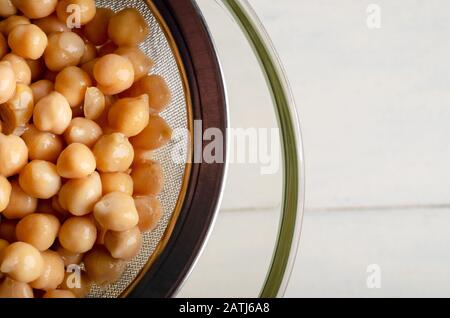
column 78, row 123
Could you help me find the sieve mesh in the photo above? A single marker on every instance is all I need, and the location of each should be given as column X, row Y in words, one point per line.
column 158, row 48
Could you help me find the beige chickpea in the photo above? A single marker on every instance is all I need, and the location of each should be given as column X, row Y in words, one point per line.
column 96, row 31
column 22, row 262
column 52, row 113
column 94, row 103
column 114, row 74
column 142, row 64
column 59, row 293
column 87, row 10
column 83, row 131
column 53, row 274
column 78, row 196
column 38, row 229
column 148, row 178
column 3, row 46
column 113, row 153
column 90, row 53
column 5, row 193
column 36, row 9
column 8, row 230
column 10, row 288
column 20, row 68
column 155, row 86
column 72, row 83
column 41, row 89
column 51, row 24
column 76, row 161
column 20, row 203
column 129, row 116
column 7, row 25
column 64, row 49
column 40, row 179
column 7, row 82
column 28, row 41
column 42, row 145
column 79, row 285
column 17, row 111
column 37, row 68
column 13, row 155
column 116, row 182
column 7, row 8
column 68, row 257
column 108, row 48
column 78, row 234
column 116, row 212
column 128, row 27
column 156, row 135
column 124, row 245
column 102, row 268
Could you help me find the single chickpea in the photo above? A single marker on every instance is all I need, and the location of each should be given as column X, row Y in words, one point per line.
column 7, row 82
column 108, row 48
column 59, row 293
column 148, row 178
column 41, row 89
column 28, row 41
column 113, row 153
column 94, row 103
column 39, row 230
column 102, row 268
column 37, row 68
column 76, row 161
column 78, row 196
column 116, row 212
column 52, row 113
column 36, row 9
column 64, row 49
column 51, row 24
column 129, row 116
column 142, row 64
column 20, row 204
column 83, row 131
column 69, row 258
column 7, row 9
column 7, row 25
column 13, row 155
column 87, row 10
column 8, row 230
column 42, row 145
column 5, row 193
column 79, row 285
column 96, row 31
column 124, row 245
column 78, row 234
column 20, row 68
column 22, row 262
column 90, row 53
column 128, row 27
column 156, row 135
column 40, row 179
column 18, row 110
column 72, row 83
column 3, row 46
column 114, row 74
column 116, row 182
column 53, row 274
column 10, row 288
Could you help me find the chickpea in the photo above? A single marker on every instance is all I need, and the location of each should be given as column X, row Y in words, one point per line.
column 18, row 110
column 20, row 203
column 114, row 74
column 129, row 116
column 124, row 245
column 51, row 24
column 6, row 26
column 79, row 196
column 113, row 153
column 128, row 27
column 156, row 135
column 116, row 182
column 72, row 83
column 78, row 234
column 80, row 286
column 96, row 31
column 20, row 68
column 83, row 131
column 41, row 89
column 102, row 268
column 36, row 9
column 7, row 82
column 39, row 230
column 27, row 41
column 5, row 193
column 10, row 288
column 52, row 113
column 157, row 90
column 13, row 155
column 76, row 161
column 116, row 212
column 22, row 262
column 40, row 179
column 148, row 178
column 7, row 9
column 108, row 48
column 64, row 49
column 69, row 258
column 142, row 64
column 3, row 46
column 8, row 230
column 42, row 145
column 94, row 103
column 53, row 274
column 90, row 53
column 37, row 68
column 87, row 10
column 59, row 293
